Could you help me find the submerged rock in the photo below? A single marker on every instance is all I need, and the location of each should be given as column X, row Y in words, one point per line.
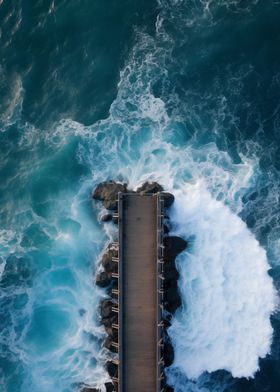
column 107, row 192
column 149, row 187
column 82, row 312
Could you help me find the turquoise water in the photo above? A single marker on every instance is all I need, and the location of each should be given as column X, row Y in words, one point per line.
column 183, row 92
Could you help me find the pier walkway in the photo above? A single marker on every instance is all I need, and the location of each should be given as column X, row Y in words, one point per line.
column 140, row 292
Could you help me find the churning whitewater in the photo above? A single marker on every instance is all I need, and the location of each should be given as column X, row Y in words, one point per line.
column 228, row 296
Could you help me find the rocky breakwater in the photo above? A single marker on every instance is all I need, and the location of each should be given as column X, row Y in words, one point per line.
column 106, row 276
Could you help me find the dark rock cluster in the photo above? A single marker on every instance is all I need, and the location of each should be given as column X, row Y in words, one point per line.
column 107, row 193
column 104, row 277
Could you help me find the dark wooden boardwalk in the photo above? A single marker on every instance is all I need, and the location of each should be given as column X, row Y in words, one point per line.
column 138, row 285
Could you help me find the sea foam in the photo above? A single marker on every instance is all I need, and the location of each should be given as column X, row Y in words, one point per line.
column 227, row 294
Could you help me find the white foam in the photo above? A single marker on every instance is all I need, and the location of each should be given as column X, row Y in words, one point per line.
column 227, row 294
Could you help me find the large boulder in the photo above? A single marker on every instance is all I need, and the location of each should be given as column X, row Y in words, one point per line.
column 108, row 317
column 170, row 275
column 172, row 299
column 109, row 387
column 107, row 262
column 103, row 279
column 168, row 199
column 168, row 353
column 106, row 308
column 172, row 247
column 149, row 187
column 106, row 218
column 107, row 192
column 113, row 332
column 112, row 369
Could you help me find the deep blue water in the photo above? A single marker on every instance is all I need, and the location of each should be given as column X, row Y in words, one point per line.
column 184, row 92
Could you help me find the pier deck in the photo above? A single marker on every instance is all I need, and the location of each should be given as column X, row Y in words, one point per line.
column 140, row 222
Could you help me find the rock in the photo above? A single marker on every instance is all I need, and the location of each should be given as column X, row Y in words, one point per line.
column 106, row 218
column 108, row 317
column 112, row 369
column 103, row 279
column 82, row 312
column 166, row 323
column 168, row 199
column 168, row 388
column 107, row 192
column 107, row 262
column 108, row 344
column 171, row 275
column 108, row 322
column 172, row 247
column 168, row 353
column 149, row 187
column 115, row 220
column 106, row 308
column 90, row 389
column 109, row 387
column 112, row 332
column 166, row 229
column 172, row 299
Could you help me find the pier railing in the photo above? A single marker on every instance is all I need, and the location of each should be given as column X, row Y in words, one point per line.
column 160, row 289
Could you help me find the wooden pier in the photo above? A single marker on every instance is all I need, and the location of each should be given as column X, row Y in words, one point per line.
column 140, row 293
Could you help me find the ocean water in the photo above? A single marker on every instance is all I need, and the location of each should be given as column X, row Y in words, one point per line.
column 184, row 92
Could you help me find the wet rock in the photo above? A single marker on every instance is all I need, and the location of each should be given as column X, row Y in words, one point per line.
column 108, row 317
column 106, row 308
column 171, row 275
column 172, row 299
column 108, row 322
column 103, row 279
column 107, row 262
column 172, row 247
column 168, row 388
column 108, row 344
column 168, row 199
column 109, row 387
column 106, row 218
column 90, row 389
column 115, row 220
column 112, row 332
column 168, row 353
column 166, row 323
column 166, row 229
column 112, row 369
column 107, row 192
column 149, row 187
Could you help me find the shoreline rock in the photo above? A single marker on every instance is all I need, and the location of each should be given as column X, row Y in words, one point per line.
column 107, row 192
